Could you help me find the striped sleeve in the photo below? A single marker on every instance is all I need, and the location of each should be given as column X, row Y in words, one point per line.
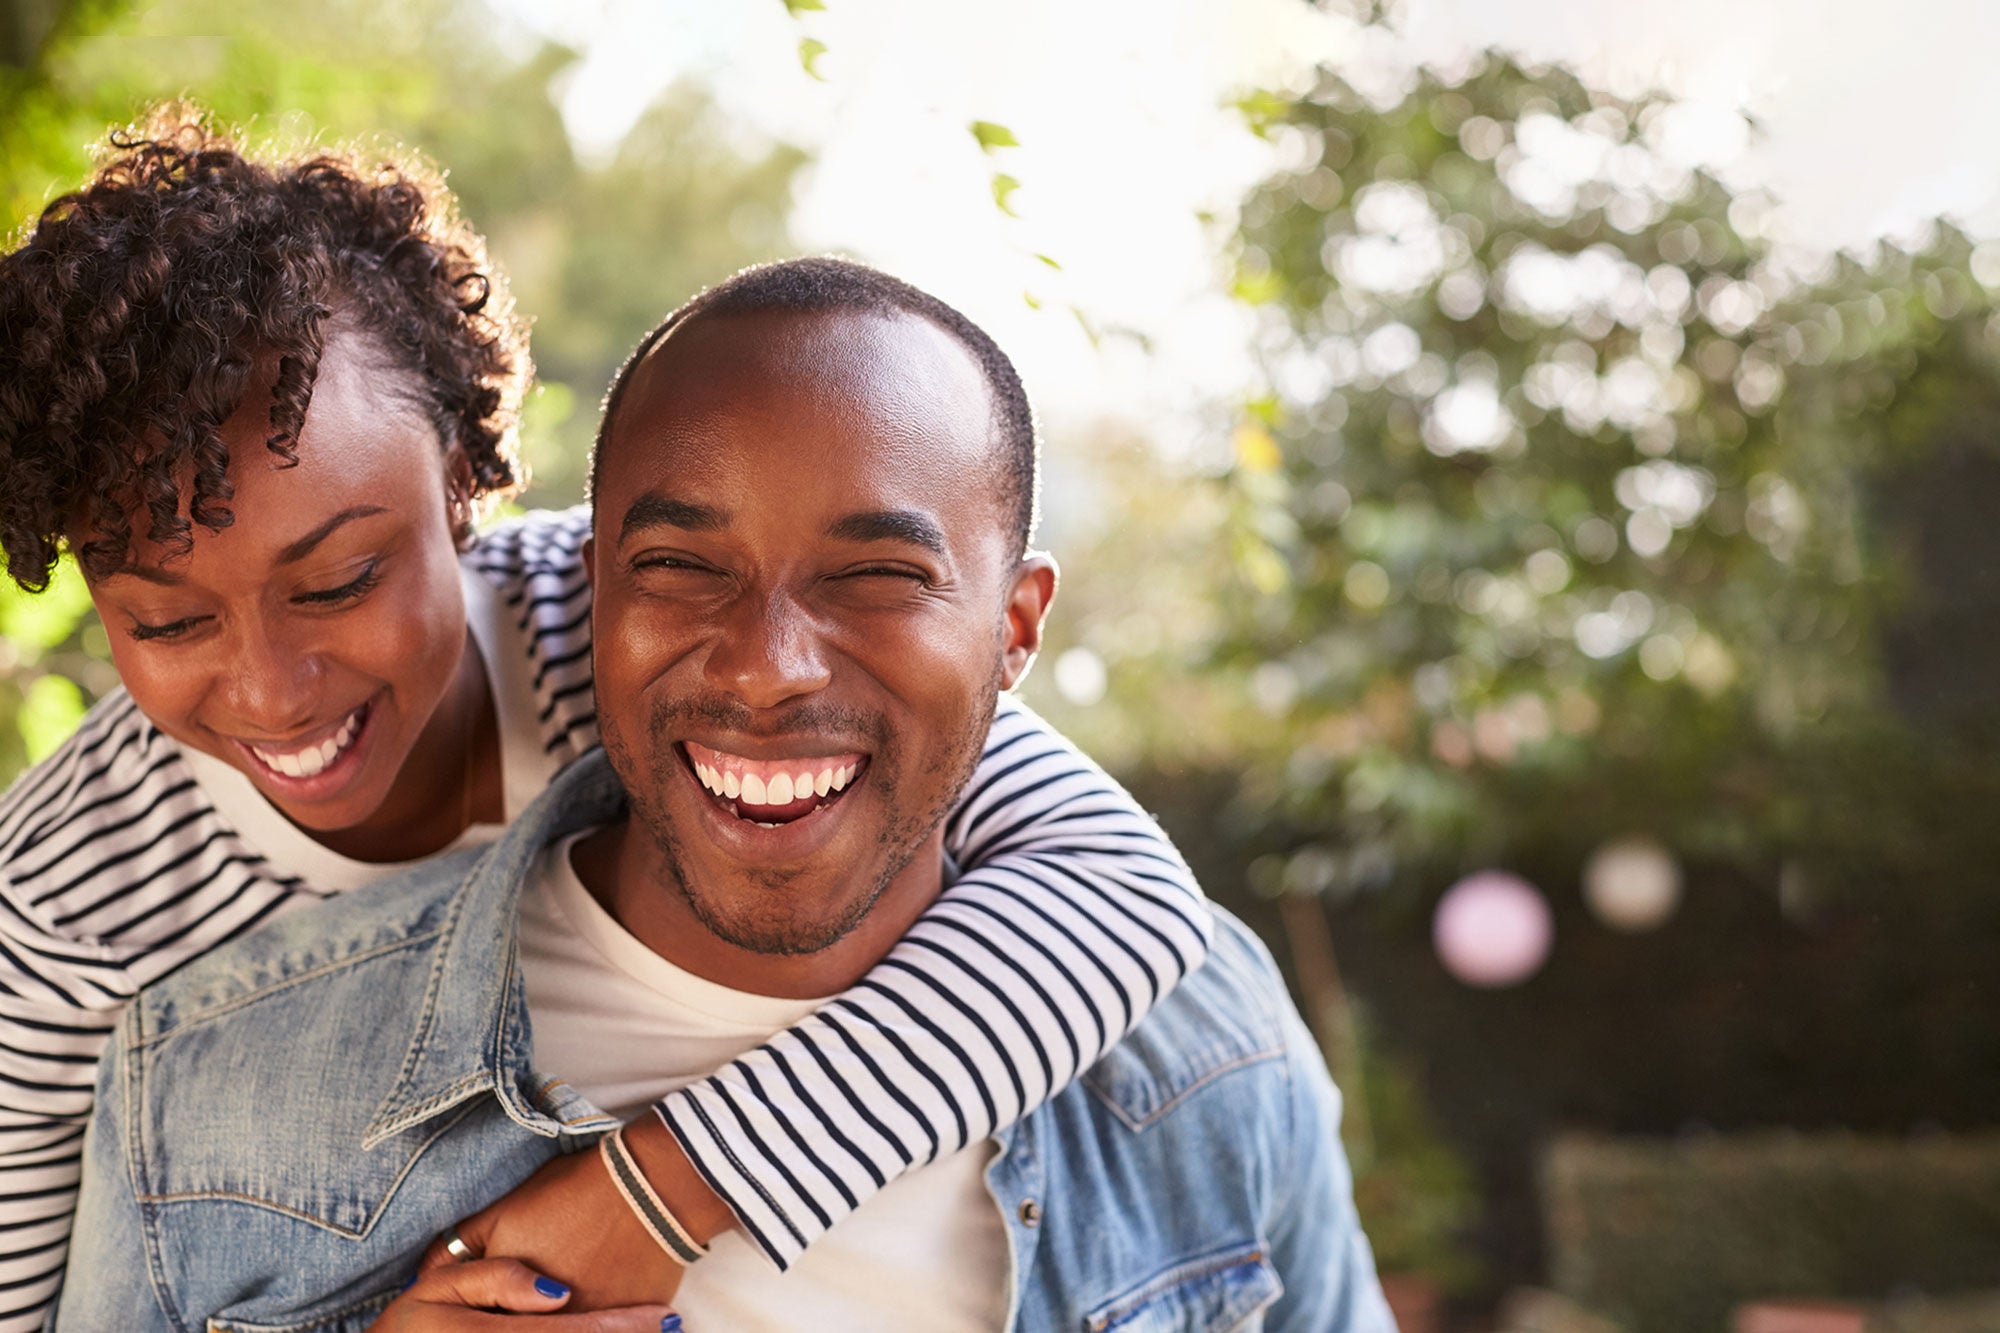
column 1073, row 916
column 114, row 868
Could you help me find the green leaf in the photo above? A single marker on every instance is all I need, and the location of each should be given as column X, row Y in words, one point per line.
column 50, row 710
column 35, row 623
column 992, row 136
column 810, row 50
column 1034, row 302
column 798, row 7
column 1046, row 259
column 1003, row 191
column 1083, row 322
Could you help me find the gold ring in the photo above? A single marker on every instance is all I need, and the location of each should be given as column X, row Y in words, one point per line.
column 455, row 1246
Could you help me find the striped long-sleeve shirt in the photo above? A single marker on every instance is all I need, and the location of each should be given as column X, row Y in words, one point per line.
column 120, row 860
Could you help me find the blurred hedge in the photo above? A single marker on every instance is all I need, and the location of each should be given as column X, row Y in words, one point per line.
column 1669, row 1237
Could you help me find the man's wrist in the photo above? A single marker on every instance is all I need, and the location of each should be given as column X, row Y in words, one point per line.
column 667, row 1169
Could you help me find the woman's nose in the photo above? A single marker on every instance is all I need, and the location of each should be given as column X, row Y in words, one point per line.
column 273, row 681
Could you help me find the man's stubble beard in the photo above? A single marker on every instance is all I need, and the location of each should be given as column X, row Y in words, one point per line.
column 781, row 930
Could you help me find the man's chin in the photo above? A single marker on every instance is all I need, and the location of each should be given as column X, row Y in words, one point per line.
column 776, row 927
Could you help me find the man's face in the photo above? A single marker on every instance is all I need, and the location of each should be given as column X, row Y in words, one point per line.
column 807, row 595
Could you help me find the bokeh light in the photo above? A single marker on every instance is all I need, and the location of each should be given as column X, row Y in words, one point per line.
column 1492, row 929
column 1632, row 884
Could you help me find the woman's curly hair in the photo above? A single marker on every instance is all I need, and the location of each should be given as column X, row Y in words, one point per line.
column 138, row 312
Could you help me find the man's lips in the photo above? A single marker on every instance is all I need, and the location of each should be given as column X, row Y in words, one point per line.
column 773, row 791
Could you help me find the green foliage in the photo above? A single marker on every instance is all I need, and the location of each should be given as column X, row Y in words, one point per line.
column 810, row 50
column 52, row 661
column 1560, row 517
column 991, row 136
column 1415, row 1194
column 1003, row 192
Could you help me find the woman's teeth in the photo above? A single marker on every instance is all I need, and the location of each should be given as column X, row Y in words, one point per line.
column 313, row 759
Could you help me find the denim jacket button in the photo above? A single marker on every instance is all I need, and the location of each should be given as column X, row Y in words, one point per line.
column 1031, row 1213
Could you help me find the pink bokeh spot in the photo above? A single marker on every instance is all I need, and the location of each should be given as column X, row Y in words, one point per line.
column 1492, row 929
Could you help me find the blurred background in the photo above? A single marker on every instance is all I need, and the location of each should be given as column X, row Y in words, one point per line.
column 1525, row 474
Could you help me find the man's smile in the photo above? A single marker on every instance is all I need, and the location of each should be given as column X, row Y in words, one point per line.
column 773, row 791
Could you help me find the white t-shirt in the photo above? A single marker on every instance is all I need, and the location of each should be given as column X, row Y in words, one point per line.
column 625, row 1027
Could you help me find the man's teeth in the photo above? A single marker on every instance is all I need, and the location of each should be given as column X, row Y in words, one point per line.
column 782, row 789
column 313, row 759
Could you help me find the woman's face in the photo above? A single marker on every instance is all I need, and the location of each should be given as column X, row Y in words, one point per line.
column 308, row 643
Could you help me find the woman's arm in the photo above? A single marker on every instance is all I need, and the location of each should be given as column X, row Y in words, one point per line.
column 1071, row 917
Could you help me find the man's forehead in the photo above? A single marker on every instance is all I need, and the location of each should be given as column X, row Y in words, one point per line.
column 770, row 361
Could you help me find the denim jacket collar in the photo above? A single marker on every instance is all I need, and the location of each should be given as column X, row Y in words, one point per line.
column 471, row 1034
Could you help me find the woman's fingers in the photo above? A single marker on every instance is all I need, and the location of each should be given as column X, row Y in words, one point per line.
column 489, row 1284
column 471, row 1233
column 504, row 1296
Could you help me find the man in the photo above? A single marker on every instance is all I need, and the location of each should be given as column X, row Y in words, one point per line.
column 813, row 491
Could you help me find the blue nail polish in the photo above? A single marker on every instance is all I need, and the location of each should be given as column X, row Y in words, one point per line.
column 670, row 1323
column 550, row 1288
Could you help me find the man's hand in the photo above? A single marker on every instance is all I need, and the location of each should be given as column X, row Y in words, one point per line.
column 471, row 1298
column 568, row 1220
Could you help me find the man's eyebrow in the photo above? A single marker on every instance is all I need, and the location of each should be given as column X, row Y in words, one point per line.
column 303, row 547
column 660, row 511
column 893, row 525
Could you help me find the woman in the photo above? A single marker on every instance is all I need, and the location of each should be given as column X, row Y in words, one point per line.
column 262, row 405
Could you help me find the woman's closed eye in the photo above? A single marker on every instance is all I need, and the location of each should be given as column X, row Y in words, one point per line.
column 167, row 631
column 353, row 590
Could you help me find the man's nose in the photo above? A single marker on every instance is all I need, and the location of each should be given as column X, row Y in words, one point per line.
column 273, row 676
column 767, row 651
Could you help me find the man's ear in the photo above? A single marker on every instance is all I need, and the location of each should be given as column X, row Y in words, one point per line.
column 590, row 560
column 1027, row 606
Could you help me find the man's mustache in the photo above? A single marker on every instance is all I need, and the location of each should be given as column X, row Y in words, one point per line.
column 809, row 720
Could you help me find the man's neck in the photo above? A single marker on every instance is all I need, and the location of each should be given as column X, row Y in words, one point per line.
column 630, row 878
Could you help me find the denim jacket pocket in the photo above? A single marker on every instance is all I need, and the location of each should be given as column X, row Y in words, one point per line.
column 1221, row 1292
column 354, row 1317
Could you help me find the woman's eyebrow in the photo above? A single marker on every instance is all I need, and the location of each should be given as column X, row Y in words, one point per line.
column 303, row 547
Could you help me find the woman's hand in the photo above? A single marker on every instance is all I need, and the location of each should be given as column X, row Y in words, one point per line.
column 506, row 1296
column 569, row 1220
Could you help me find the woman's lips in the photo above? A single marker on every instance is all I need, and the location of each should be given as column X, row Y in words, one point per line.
column 314, row 757
column 317, row 767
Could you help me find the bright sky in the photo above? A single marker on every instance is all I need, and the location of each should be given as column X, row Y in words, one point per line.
column 1874, row 117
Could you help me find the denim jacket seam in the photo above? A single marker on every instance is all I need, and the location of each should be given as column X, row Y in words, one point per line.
column 1178, row 1274
column 427, row 1012
column 1139, row 1124
column 380, row 1298
column 395, row 1185
column 1288, row 1186
column 133, row 1081
column 265, row 992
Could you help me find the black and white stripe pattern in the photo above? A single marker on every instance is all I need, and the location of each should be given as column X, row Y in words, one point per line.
column 1072, row 917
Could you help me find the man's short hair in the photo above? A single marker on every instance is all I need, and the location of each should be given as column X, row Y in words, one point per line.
column 827, row 284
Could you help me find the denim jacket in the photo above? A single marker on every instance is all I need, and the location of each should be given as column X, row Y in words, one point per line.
column 284, row 1124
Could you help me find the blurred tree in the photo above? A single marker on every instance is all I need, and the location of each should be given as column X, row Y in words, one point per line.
column 1569, row 509
column 598, row 250
column 1578, row 504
